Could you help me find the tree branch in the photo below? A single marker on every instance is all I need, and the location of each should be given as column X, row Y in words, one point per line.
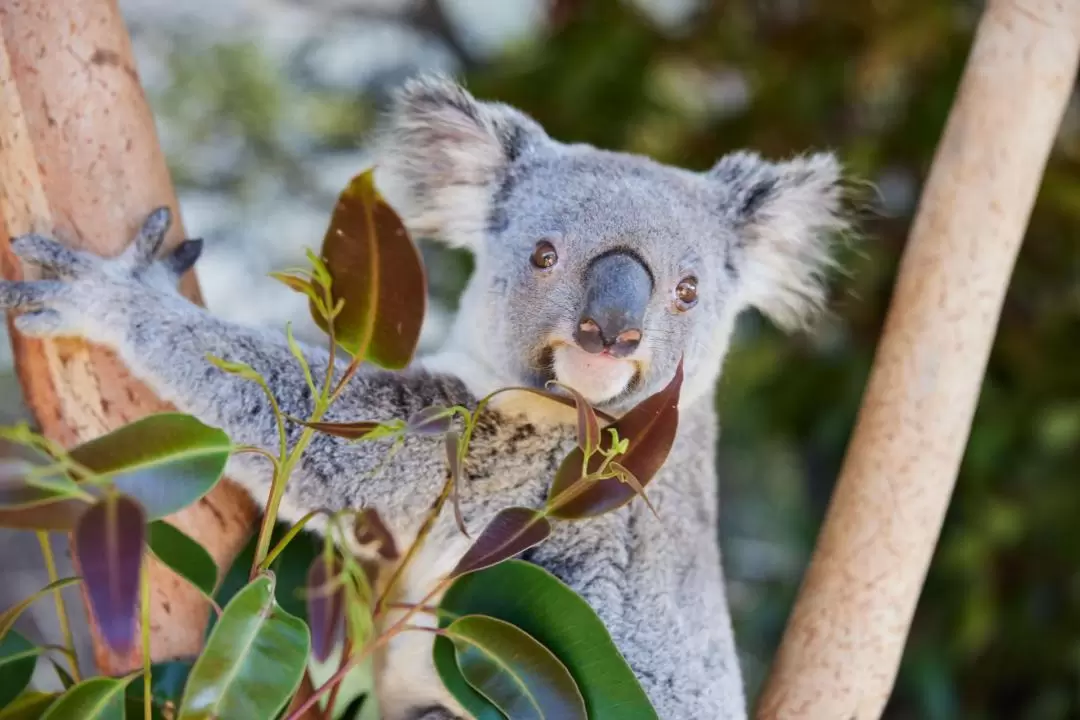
column 846, row 635
column 79, row 158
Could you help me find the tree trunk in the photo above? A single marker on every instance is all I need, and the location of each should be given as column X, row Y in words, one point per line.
column 79, row 159
column 846, row 635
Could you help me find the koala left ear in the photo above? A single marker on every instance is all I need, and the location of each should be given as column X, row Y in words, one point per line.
column 786, row 217
column 442, row 155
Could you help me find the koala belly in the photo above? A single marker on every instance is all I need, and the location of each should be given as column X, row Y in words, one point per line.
column 406, row 683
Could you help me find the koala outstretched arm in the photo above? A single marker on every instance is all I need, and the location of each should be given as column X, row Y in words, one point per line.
column 130, row 304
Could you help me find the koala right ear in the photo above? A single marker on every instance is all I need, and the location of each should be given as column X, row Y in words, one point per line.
column 442, row 156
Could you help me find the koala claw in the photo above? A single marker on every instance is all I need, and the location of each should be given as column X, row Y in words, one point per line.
column 50, row 254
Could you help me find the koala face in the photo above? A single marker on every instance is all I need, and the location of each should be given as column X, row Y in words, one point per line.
column 597, row 269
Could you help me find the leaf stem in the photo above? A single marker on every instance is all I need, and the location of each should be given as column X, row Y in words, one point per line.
column 61, row 609
column 148, row 707
column 421, row 536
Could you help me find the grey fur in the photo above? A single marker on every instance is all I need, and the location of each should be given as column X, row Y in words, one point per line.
column 486, row 177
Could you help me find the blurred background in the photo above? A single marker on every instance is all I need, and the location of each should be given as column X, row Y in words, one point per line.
column 264, row 108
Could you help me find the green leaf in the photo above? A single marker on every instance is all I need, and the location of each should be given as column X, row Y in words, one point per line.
column 166, row 686
column 253, row 661
column 108, row 543
column 290, row 570
column 9, row 616
column 650, row 428
column 513, row 530
column 532, row 599
column 377, row 271
column 28, row 706
column 512, row 670
column 165, row 461
column 18, row 657
column 185, row 556
column 100, row 698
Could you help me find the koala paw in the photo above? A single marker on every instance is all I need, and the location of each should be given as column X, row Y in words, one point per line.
column 87, row 295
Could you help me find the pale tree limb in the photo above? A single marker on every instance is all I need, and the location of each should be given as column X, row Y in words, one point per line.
column 844, row 640
column 79, row 158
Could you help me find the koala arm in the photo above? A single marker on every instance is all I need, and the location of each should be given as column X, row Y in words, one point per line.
column 130, row 304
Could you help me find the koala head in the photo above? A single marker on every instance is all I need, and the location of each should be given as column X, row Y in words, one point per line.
column 601, row 269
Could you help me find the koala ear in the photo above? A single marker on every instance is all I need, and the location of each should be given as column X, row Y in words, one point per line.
column 786, row 216
column 442, row 157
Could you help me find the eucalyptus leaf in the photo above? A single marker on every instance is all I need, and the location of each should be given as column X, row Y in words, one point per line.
column 165, row 461
column 512, row 670
column 18, row 657
column 99, row 698
column 108, row 544
column 650, row 428
column 535, row 601
column 376, row 271
column 253, row 661
column 28, row 706
column 183, row 554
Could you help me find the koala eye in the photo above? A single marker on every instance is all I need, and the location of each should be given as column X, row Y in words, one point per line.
column 544, row 256
column 686, row 293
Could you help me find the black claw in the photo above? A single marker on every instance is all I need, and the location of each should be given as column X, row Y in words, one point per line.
column 184, row 256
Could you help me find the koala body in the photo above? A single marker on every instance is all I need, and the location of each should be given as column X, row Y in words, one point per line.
column 597, row 269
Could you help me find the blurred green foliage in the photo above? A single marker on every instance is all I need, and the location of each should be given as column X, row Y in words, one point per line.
column 997, row 631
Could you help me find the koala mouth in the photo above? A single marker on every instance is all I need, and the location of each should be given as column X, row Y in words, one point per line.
column 601, row 378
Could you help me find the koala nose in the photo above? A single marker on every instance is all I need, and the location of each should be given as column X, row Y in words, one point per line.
column 617, row 291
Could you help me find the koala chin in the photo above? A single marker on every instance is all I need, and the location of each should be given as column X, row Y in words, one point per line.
column 599, row 270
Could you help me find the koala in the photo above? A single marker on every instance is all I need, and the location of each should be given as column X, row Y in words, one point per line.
column 600, row 270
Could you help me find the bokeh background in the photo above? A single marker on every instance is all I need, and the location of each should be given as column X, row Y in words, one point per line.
column 264, row 108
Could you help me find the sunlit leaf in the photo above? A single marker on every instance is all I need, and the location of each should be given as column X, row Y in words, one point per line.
column 165, row 461
column 588, row 424
column 513, row 530
column 28, row 706
column 108, row 544
column 18, row 656
column 627, row 477
column 9, row 616
column 649, row 428
column 532, row 599
column 434, row 420
column 512, row 670
column 100, row 698
column 184, row 555
column 252, row 662
column 296, row 283
column 325, row 604
column 377, row 271
column 298, row 353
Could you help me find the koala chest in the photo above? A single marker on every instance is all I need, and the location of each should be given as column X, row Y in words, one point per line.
column 513, row 468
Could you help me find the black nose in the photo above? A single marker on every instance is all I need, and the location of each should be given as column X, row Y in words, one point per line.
column 617, row 291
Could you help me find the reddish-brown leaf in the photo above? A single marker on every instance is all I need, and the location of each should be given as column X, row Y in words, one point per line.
column 512, row 531
column 349, row 430
column 325, row 604
column 369, row 529
column 650, row 428
column 108, row 543
column 588, row 425
column 377, row 271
